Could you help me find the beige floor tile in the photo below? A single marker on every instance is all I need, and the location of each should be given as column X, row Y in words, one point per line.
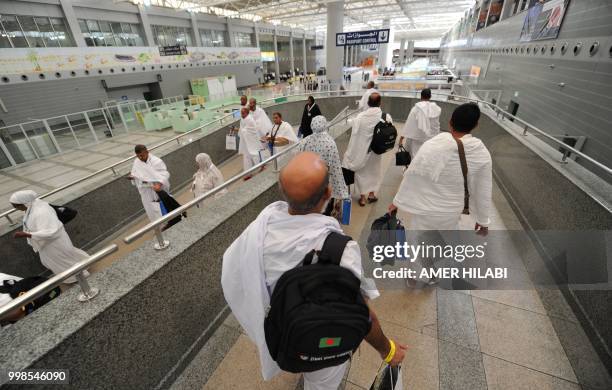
column 240, row 370
column 521, row 337
column 522, row 299
column 352, row 386
column 502, row 375
column 414, row 309
column 420, row 367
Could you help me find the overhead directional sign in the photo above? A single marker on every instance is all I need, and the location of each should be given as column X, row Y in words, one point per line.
column 362, row 37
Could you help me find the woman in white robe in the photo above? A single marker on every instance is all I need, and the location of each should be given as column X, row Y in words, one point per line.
column 46, row 234
column 207, row 177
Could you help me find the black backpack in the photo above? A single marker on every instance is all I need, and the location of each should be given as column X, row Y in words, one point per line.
column 318, row 316
column 17, row 287
column 384, row 136
column 64, row 214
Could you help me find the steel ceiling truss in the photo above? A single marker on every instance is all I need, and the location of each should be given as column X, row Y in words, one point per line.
column 425, row 19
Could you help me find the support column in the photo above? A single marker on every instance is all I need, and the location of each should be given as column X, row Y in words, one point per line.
column 402, row 51
column 276, row 62
column 409, row 51
column 73, row 23
column 230, row 32
column 256, row 35
column 146, row 26
column 335, row 24
column 385, row 52
column 304, row 60
column 196, row 31
column 291, row 56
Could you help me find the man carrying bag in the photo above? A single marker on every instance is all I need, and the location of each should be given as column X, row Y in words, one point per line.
column 289, row 255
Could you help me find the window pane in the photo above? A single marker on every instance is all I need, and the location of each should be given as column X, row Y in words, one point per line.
column 46, row 31
column 63, row 35
column 4, row 41
column 104, row 26
column 93, row 26
column 31, row 31
column 14, row 31
column 83, row 26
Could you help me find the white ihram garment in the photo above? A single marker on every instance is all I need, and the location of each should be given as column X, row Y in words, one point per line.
column 363, row 103
column 284, row 130
column 432, row 188
column 145, row 174
column 423, row 123
column 358, row 157
column 263, row 124
column 49, row 238
column 250, row 144
column 271, row 245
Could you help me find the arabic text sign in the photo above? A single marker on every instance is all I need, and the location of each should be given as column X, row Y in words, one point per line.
column 357, row 38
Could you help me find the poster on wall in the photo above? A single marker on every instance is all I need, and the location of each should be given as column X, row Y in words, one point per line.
column 482, row 16
column 33, row 60
column 543, row 19
column 495, row 12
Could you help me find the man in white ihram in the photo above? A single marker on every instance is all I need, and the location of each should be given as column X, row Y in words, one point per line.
column 262, row 123
column 276, row 242
column 432, row 191
column 149, row 174
column 366, row 164
column 363, row 103
column 250, row 144
column 423, row 123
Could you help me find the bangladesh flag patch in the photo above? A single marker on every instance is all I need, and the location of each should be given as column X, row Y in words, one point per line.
column 327, row 342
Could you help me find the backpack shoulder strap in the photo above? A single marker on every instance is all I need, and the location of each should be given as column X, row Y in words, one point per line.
column 464, row 171
column 333, row 248
column 383, row 117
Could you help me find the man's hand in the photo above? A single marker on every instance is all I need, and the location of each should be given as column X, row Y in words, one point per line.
column 22, row 235
column 481, row 230
column 400, row 353
column 156, row 187
column 401, row 142
column 392, row 209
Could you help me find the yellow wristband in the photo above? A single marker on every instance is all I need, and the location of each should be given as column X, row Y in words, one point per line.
column 391, row 352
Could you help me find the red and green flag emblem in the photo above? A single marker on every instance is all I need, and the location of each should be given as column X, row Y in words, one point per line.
column 327, row 342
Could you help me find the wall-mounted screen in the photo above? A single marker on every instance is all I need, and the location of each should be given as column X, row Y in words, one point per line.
column 267, row 56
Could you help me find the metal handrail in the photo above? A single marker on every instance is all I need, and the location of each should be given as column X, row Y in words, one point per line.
column 76, row 270
column 156, row 225
column 6, row 214
column 497, row 108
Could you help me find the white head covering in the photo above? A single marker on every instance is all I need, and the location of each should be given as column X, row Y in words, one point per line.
column 207, row 177
column 25, row 197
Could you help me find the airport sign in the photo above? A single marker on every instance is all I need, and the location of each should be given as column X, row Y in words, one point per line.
column 357, row 38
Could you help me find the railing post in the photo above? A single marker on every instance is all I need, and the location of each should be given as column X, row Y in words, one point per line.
column 90, row 126
column 29, row 142
column 120, row 110
column 114, row 172
column 525, row 130
column 161, row 244
column 11, row 222
column 107, row 122
column 566, row 154
column 57, row 147
column 87, row 292
column 72, row 130
column 7, row 153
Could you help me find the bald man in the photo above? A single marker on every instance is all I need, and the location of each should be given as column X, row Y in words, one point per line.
column 276, row 242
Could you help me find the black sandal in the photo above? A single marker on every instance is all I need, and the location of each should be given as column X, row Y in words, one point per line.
column 372, row 200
